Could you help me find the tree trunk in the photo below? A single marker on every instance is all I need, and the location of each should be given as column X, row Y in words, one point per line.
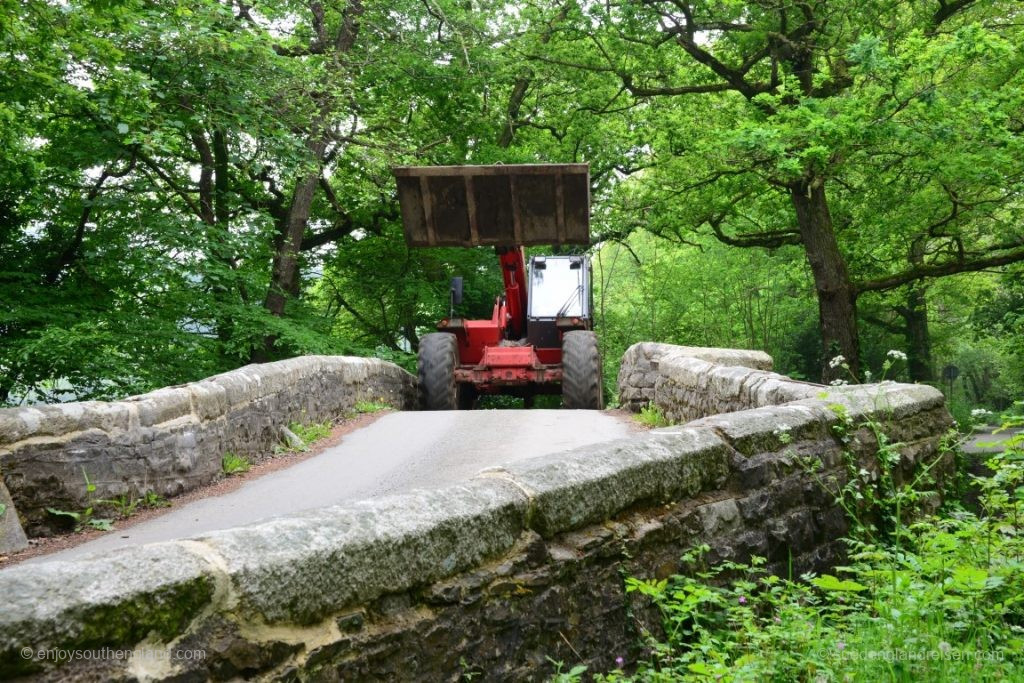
column 837, row 304
column 291, row 225
column 285, row 271
column 919, row 345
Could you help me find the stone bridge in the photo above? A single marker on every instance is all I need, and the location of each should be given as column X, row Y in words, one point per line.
column 492, row 576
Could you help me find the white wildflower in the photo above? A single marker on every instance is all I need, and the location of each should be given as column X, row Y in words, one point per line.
column 867, row 375
column 979, row 412
column 838, row 382
column 837, row 361
column 896, row 355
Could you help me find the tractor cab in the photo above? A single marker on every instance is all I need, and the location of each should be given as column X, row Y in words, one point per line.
column 559, row 298
column 539, row 339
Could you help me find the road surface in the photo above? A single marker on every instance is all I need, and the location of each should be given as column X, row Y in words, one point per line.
column 397, row 452
column 989, row 441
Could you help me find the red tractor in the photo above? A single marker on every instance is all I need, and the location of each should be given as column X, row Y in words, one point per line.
column 539, row 339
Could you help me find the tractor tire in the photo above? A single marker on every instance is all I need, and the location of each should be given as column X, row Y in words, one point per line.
column 438, row 356
column 581, row 371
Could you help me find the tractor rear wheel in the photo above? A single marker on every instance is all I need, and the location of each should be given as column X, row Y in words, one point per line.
column 581, row 371
column 438, row 356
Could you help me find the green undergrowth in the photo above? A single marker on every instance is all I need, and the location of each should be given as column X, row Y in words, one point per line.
column 311, row 433
column 652, row 416
column 234, row 464
column 921, row 597
column 363, row 407
column 122, row 507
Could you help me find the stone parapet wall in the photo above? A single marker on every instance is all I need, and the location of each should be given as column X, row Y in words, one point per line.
column 493, row 577
column 687, row 382
column 173, row 440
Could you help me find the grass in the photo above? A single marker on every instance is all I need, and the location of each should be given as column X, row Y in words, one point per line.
column 311, row 432
column 651, row 416
column 127, row 504
column 371, row 406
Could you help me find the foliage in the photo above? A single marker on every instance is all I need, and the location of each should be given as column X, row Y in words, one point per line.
column 123, row 505
column 126, row 504
column 938, row 599
column 651, row 416
column 311, row 432
column 940, row 609
column 372, row 406
column 152, row 499
column 153, row 157
column 782, row 128
column 234, row 464
column 84, row 518
column 647, row 288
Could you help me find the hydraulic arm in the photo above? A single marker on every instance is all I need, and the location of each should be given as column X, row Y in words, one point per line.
column 513, row 272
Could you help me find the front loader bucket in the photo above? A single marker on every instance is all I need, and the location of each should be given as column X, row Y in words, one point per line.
column 514, row 205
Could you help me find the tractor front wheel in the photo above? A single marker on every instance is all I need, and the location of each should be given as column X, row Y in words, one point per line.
column 438, row 356
column 581, row 371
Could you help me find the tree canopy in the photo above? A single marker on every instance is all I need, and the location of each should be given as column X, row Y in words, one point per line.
column 192, row 185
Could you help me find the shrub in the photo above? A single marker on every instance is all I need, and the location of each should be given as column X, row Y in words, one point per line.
column 234, row 464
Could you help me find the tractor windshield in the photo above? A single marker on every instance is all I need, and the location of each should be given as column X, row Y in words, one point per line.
column 558, row 287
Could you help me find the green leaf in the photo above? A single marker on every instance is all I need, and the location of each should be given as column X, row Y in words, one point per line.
column 970, row 578
column 101, row 524
column 64, row 513
column 699, row 668
column 831, row 583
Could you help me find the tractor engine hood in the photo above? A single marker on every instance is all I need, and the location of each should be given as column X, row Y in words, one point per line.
column 500, row 205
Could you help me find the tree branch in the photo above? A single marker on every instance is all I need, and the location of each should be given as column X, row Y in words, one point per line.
column 639, row 91
column 771, row 239
column 949, row 9
column 959, row 265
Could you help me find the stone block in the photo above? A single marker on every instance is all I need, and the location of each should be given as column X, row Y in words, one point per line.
column 12, row 536
column 720, row 518
column 209, row 400
column 771, row 428
column 162, row 405
column 111, row 600
column 886, row 401
column 591, row 484
column 300, row 568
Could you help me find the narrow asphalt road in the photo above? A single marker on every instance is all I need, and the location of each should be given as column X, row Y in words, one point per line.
column 397, row 452
column 989, row 441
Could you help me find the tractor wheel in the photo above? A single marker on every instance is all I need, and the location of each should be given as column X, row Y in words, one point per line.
column 438, row 356
column 581, row 371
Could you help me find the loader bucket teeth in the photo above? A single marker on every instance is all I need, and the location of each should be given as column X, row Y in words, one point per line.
column 501, row 205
